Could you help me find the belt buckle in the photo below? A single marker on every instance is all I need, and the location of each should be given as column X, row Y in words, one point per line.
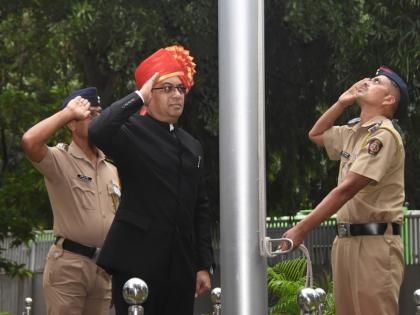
column 343, row 230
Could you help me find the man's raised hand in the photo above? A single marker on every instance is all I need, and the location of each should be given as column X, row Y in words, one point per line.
column 349, row 97
column 146, row 89
column 79, row 108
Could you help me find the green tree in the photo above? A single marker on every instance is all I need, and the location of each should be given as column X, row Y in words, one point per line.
column 315, row 51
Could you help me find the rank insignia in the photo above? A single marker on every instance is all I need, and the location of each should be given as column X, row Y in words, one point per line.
column 374, row 146
column 345, row 154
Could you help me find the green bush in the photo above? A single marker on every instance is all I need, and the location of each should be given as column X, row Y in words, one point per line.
column 284, row 281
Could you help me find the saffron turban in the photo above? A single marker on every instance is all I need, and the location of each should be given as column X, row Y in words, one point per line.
column 169, row 62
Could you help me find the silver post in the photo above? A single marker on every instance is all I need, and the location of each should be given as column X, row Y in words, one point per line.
column 135, row 292
column 28, row 306
column 417, row 301
column 242, row 166
column 216, row 297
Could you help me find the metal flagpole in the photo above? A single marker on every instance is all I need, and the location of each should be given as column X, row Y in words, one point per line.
column 242, row 166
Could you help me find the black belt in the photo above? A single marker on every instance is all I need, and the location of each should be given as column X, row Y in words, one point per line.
column 77, row 248
column 348, row 229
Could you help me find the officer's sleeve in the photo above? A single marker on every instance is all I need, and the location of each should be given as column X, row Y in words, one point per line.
column 105, row 130
column 202, row 222
column 377, row 155
column 49, row 166
column 333, row 142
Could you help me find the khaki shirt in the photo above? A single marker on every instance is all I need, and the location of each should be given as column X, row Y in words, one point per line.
column 83, row 197
column 374, row 150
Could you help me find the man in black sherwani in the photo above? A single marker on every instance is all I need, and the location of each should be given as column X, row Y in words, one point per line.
column 161, row 231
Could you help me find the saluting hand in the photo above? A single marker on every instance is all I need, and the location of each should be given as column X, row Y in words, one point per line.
column 349, row 97
column 146, row 89
column 79, row 108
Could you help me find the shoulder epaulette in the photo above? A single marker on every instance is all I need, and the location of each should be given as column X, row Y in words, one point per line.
column 63, row 146
column 394, row 135
column 375, row 126
column 353, row 121
column 109, row 160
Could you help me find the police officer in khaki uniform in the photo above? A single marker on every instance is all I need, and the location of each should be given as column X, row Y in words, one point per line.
column 367, row 256
column 84, row 192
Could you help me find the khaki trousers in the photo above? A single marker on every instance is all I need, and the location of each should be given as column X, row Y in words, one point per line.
column 75, row 285
column 367, row 274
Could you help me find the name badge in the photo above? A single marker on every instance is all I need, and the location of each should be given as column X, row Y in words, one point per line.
column 84, row 178
column 115, row 189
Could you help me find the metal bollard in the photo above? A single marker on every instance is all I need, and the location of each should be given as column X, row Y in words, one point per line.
column 216, row 299
column 28, row 306
column 321, row 299
column 307, row 299
column 416, row 296
column 135, row 292
column 311, row 301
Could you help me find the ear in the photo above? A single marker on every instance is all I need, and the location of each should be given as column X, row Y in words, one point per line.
column 389, row 100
